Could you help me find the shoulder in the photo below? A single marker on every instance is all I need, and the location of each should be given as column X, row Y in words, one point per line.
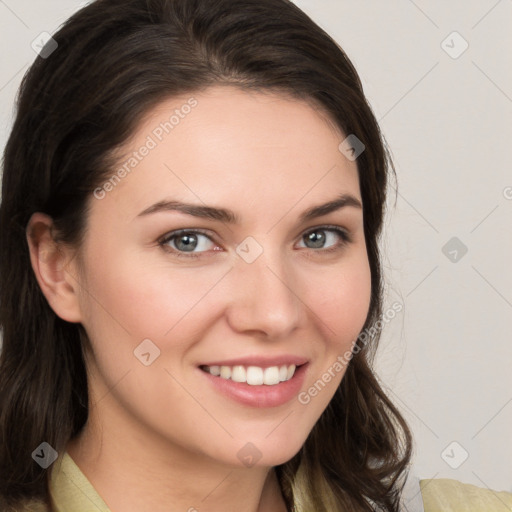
column 442, row 494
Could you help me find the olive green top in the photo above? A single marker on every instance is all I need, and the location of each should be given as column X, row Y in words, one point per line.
column 72, row 492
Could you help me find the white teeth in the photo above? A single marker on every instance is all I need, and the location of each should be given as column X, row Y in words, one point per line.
column 253, row 375
column 225, row 372
column 238, row 374
column 271, row 376
column 215, row 370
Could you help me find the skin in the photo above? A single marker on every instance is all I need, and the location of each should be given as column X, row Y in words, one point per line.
column 161, row 434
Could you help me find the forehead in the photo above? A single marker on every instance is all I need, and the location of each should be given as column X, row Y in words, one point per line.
column 233, row 147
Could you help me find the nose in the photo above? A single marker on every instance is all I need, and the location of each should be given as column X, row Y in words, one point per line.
column 263, row 301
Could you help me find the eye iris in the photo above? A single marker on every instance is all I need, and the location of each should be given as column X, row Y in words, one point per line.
column 317, row 238
column 187, row 242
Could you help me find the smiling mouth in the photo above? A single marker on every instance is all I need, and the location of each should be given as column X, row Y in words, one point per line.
column 253, row 375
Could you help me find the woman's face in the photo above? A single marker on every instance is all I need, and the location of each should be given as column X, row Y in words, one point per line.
column 242, row 276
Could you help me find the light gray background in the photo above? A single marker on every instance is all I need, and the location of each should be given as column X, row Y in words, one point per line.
column 446, row 358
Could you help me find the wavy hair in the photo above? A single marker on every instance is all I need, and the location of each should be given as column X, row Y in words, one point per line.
column 116, row 59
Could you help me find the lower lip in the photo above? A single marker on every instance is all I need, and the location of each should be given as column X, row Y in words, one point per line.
column 260, row 396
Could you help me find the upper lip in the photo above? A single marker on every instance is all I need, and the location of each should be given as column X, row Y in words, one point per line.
column 261, row 361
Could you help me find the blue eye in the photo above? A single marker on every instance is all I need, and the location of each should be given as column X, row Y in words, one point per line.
column 325, row 238
column 185, row 243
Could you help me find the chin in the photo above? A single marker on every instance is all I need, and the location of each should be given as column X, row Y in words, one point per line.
column 268, row 451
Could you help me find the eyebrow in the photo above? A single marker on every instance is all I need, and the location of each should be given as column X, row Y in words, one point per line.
column 230, row 217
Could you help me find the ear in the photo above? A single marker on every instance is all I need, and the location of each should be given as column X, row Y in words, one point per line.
column 54, row 269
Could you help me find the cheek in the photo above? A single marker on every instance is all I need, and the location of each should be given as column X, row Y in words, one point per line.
column 131, row 297
column 341, row 300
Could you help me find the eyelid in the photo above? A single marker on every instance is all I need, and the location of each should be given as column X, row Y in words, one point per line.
column 177, row 232
column 329, row 227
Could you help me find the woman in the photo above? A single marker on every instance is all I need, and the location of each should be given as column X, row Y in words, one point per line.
column 193, row 193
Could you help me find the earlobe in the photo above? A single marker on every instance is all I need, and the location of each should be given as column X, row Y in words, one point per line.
column 51, row 263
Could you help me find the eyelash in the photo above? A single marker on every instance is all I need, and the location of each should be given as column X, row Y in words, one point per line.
column 342, row 233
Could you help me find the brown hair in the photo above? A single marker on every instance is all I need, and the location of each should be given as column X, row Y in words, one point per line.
column 115, row 60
